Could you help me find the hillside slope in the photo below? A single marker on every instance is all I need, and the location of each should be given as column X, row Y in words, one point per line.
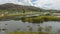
column 15, row 7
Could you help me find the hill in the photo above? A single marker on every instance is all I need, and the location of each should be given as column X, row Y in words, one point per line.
column 14, row 7
column 10, row 7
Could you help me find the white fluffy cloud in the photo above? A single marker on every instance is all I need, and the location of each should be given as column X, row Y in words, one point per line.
column 21, row 2
column 49, row 4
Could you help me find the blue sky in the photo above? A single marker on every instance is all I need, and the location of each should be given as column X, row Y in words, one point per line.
column 33, row 0
column 47, row 4
column 18, row 0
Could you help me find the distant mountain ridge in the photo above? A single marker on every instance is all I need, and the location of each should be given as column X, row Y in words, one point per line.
column 15, row 7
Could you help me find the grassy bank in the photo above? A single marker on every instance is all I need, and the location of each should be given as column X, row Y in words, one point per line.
column 27, row 33
column 40, row 19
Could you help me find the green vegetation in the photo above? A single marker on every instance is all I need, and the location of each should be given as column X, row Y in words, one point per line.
column 40, row 19
column 28, row 33
column 37, row 19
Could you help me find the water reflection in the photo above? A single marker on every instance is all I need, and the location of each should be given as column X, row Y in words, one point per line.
column 34, row 27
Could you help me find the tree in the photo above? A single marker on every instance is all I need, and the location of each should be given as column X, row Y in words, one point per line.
column 23, row 12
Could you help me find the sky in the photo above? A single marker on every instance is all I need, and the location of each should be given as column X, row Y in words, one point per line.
column 47, row 4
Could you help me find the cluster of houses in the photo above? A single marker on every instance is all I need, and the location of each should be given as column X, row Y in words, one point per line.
column 3, row 14
column 56, row 14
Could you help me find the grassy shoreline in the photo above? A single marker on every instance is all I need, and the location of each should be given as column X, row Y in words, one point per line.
column 40, row 19
column 37, row 19
column 29, row 33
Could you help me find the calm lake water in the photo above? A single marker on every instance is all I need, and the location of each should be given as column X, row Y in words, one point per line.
column 14, row 25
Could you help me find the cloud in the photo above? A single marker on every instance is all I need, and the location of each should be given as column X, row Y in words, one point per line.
column 21, row 2
column 48, row 4
column 6, row 1
column 26, row 2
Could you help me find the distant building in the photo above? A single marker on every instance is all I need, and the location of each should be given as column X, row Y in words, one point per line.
column 46, row 12
column 56, row 14
column 2, row 14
